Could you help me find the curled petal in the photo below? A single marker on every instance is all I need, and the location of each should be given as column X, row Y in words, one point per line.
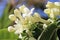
column 21, row 8
column 11, row 29
column 12, row 17
column 44, row 26
column 57, row 3
column 47, row 11
column 50, row 5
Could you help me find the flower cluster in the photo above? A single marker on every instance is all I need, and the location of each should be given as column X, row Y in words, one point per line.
column 53, row 9
column 24, row 18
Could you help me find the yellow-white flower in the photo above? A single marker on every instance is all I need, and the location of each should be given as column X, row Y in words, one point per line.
column 36, row 17
column 17, row 12
column 21, row 8
column 12, row 17
column 56, row 11
column 50, row 5
column 57, row 3
column 23, row 18
column 18, row 28
column 53, row 9
column 11, row 29
column 29, row 33
column 44, row 26
column 31, row 11
column 20, row 36
column 52, row 21
column 24, row 9
column 47, row 11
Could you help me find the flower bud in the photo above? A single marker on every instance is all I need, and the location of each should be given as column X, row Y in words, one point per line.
column 50, row 5
column 56, row 11
column 36, row 14
column 44, row 26
column 21, row 8
column 11, row 29
column 48, row 11
column 20, row 36
column 16, row 12
column 57, row 3
column 26, row 10
column 12, row 17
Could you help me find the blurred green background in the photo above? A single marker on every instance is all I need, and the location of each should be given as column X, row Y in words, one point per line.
column 6, row 8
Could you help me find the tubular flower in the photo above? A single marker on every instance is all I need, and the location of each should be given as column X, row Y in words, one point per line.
column 50, row 5
column 23, row 18
column 12, row 17
column 53, row 9
column 11, row 29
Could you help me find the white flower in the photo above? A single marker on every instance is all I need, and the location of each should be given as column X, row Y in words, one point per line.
column 57, row 3
column 21, row 8
column 19, row 28
column 44, row 26
column 56, row 11
column 31, row 11
column 16, row 12
column 23, row 18
column 50, row 20
column 53, row 9
column 12, row 17
column 50, row 5
column 52, row 15
column 24, row 15
column 17, row 21
column 26, row 10
column 18, row 31
column 20, row 36
column 11, row 29
column 47, row 11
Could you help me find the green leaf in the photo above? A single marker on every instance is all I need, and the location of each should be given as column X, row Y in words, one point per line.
column 48, row 32
column 54, row 36
column 5, row 16
column 5, row 22
column 0, row 22
column 38, row 29
column 4, row 34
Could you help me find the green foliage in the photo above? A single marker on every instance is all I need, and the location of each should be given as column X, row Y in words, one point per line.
column 4, row 23
column 49, row 33
column 4, row 20
column 5, row 35
column 38, row 29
